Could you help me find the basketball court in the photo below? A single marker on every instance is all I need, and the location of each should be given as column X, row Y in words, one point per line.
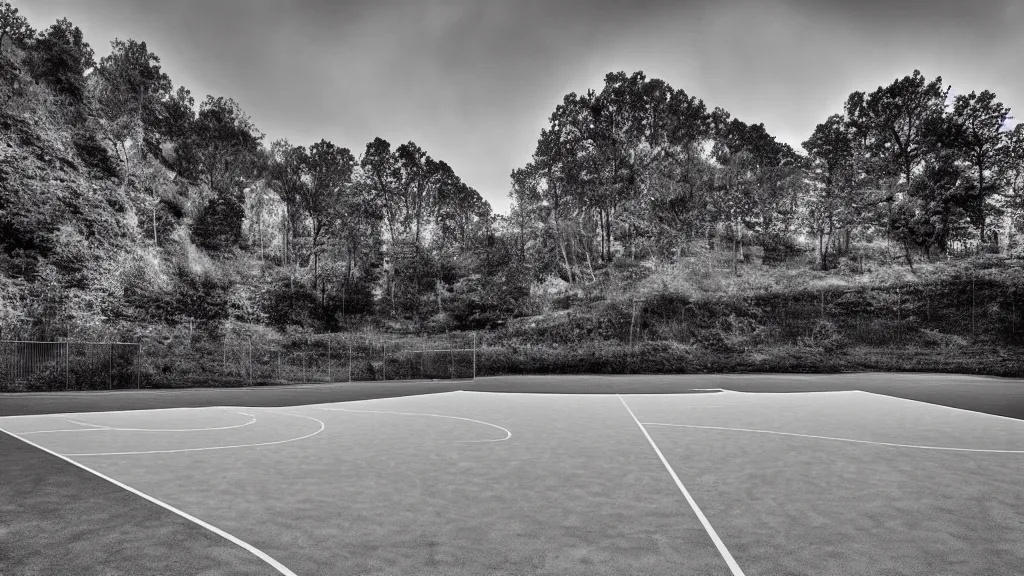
column 464, row 482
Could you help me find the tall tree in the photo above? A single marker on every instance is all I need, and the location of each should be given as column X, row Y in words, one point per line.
column 229, row 153
column 897, row 116
column 228, row 143
column 1011, row 170
column 287, row 167
column 130, row 91
column 383, row 176
column 175, row 125
column 330, row 173
column 60, row 57
column 13, row 26
column 977, row 132
column 831, row 150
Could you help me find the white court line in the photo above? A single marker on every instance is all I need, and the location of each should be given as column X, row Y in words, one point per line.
column 234, row 540
column 733, row 566
column 139, row 452
column 508, row 434
column 97, row 426
column 838, row 439
column 116, row 429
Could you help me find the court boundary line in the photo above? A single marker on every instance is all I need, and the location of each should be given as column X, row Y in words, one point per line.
column 98, row 428
column 281, row 568
column 323, row 426
column 943, row 448
column 726, row 555
column 505, row 430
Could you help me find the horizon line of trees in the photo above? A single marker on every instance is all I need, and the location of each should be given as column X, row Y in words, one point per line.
column 640, row 168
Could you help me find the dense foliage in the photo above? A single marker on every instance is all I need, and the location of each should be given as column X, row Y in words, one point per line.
column 124, row 204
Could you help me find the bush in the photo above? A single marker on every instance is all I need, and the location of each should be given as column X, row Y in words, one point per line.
column 630, row 270
column 201, row 296
column 937, row 339
column 290, row 306
column 779, row 248
column 94, row 154
column 825, row 335
column 218, row 226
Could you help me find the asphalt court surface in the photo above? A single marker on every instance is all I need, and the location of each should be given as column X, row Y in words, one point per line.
column 565, row 483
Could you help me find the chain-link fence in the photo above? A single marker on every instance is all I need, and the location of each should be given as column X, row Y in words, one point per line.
column 41, row 366
column 323, row 358
column 964, row 310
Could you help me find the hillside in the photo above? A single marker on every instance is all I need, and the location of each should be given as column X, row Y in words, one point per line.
column 647, row 234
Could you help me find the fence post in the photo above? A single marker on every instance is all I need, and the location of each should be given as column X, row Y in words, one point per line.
column 250, row 361
column 304, row 378
column 350, row 360
column 329, row 359
column 67, row 365
column 138, row 368
column 279, row 376
column 474, row 356
column 384, row 362
column 423, row 355
column 110, row 365
column 972, row 304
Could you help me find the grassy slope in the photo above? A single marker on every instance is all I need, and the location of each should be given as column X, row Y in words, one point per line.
column 962, row 316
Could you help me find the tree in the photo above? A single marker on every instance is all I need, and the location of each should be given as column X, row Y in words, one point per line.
column 1011, row 171
column 227, row 142
column 895, row 119
column 422, row 176
column 943, row 201
column 286, row 170
column 228, row 152
column 175, row 125
column 60, row 57
column 459, row 214
column 13, row 26
column 733, row 187
column 977, row 122
column 130, row 92
column 330, row 173
column 831, row 151
column 383, row 177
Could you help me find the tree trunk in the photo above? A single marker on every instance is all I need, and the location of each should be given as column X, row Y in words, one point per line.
column 823, row 260
column 590, row 265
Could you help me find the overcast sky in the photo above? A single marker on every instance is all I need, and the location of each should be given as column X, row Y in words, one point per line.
column 473, row 82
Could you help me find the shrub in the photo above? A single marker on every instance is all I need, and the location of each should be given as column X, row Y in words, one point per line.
column 94, row 154
column 779, row 248
column 218, row 226
column 290, row 306
column 825, row 335
column 937, row 339
column 630, row 270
